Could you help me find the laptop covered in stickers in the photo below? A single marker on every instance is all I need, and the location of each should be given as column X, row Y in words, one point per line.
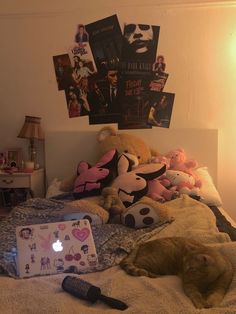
column 51, row 248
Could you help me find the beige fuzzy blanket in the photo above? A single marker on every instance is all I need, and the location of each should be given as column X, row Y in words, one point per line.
column 143, row 295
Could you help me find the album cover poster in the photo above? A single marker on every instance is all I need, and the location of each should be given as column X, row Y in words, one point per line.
column 160, row 109
column 63, row 71
column 134, row 100
column 105, row 39
column 82, row 61
column 103, row 98
column 158, row 81
column 77, row 103
column 139, row 47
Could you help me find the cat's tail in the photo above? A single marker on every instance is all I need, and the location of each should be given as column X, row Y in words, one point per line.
column 128, row 265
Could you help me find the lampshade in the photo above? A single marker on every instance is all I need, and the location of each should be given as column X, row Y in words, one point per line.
column 31, row 128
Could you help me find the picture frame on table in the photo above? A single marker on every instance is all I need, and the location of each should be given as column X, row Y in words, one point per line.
column 3, row 159
column 14, row 157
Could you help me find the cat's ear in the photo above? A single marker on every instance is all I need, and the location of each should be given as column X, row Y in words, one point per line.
column 205, row 259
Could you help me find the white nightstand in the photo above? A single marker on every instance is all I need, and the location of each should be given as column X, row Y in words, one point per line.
column 32, row 182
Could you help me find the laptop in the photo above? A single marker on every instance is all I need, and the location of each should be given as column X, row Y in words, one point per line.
column 53, row 248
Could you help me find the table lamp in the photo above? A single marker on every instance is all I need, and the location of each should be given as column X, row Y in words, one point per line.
column 32, row 130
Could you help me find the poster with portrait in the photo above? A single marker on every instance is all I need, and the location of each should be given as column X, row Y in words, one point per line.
column 81, row 35
column 103, row 98
column 77, row 103
column 158, row 81
column 63, row 71
column 160, row 109
column 134, row 100
column 82, row 59
column 105, row 39
column 139, row 47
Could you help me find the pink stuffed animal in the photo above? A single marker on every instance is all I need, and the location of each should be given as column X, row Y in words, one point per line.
column 158, row 192
column 91, row 180
column 178, row 161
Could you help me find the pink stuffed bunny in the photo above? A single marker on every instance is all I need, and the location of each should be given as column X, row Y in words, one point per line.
column 91, row 180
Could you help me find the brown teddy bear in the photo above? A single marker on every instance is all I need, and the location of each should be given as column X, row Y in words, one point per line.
column 130, row 145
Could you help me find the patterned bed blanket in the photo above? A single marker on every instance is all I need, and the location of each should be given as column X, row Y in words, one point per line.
column 112, row 241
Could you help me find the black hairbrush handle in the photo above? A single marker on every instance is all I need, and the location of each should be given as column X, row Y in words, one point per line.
column 114, row 303
column 81, row 289
column 84, row 290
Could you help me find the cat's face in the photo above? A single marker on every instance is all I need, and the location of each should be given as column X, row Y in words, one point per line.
column 197, row 262
column 201, row 268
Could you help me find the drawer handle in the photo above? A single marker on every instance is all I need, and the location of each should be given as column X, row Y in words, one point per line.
column 7, row 182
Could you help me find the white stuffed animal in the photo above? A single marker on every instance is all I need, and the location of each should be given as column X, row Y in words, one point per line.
column 184, row 182
column 132, row 185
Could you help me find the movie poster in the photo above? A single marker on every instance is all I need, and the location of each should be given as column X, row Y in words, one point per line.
column 77, row 103
column 63, row 71
column 160, row 109
column 158, row 81
column 105, row 39
column 134, row 99
column 104, row 99
column 139, row 47
column 82, row 60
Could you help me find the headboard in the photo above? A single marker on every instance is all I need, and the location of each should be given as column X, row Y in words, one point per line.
column 64, row 149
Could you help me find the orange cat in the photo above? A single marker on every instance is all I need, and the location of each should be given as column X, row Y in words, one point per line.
column 206, row 274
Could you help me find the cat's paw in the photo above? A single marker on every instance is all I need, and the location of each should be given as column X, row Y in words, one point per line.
column 214, row 300
column 203, row 304
column 142, row 272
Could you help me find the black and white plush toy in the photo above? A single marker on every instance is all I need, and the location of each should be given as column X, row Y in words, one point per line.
column 145, row 213
column 133, row 184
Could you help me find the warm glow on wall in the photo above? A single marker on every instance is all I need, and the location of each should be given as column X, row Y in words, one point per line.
column 232, row 47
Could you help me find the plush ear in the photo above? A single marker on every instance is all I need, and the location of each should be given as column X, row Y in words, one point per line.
column 108, row 160
column 151, row 171
column 124, row 165
column 82, row 167
column 105, row 132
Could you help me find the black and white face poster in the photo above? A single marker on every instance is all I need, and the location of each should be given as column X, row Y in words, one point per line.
column 139, row 47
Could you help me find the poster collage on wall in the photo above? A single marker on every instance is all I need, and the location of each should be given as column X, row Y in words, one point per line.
column 115, row 77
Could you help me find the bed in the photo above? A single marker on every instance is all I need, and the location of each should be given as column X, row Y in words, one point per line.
column 210, row 224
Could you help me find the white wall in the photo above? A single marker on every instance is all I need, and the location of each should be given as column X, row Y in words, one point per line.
column 198, row 41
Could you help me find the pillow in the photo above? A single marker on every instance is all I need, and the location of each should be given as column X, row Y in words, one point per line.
column 54, row 188
column 208, row 192
column 92, row 179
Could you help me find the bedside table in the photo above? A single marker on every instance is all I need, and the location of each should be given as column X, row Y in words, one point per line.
column 32, row 183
